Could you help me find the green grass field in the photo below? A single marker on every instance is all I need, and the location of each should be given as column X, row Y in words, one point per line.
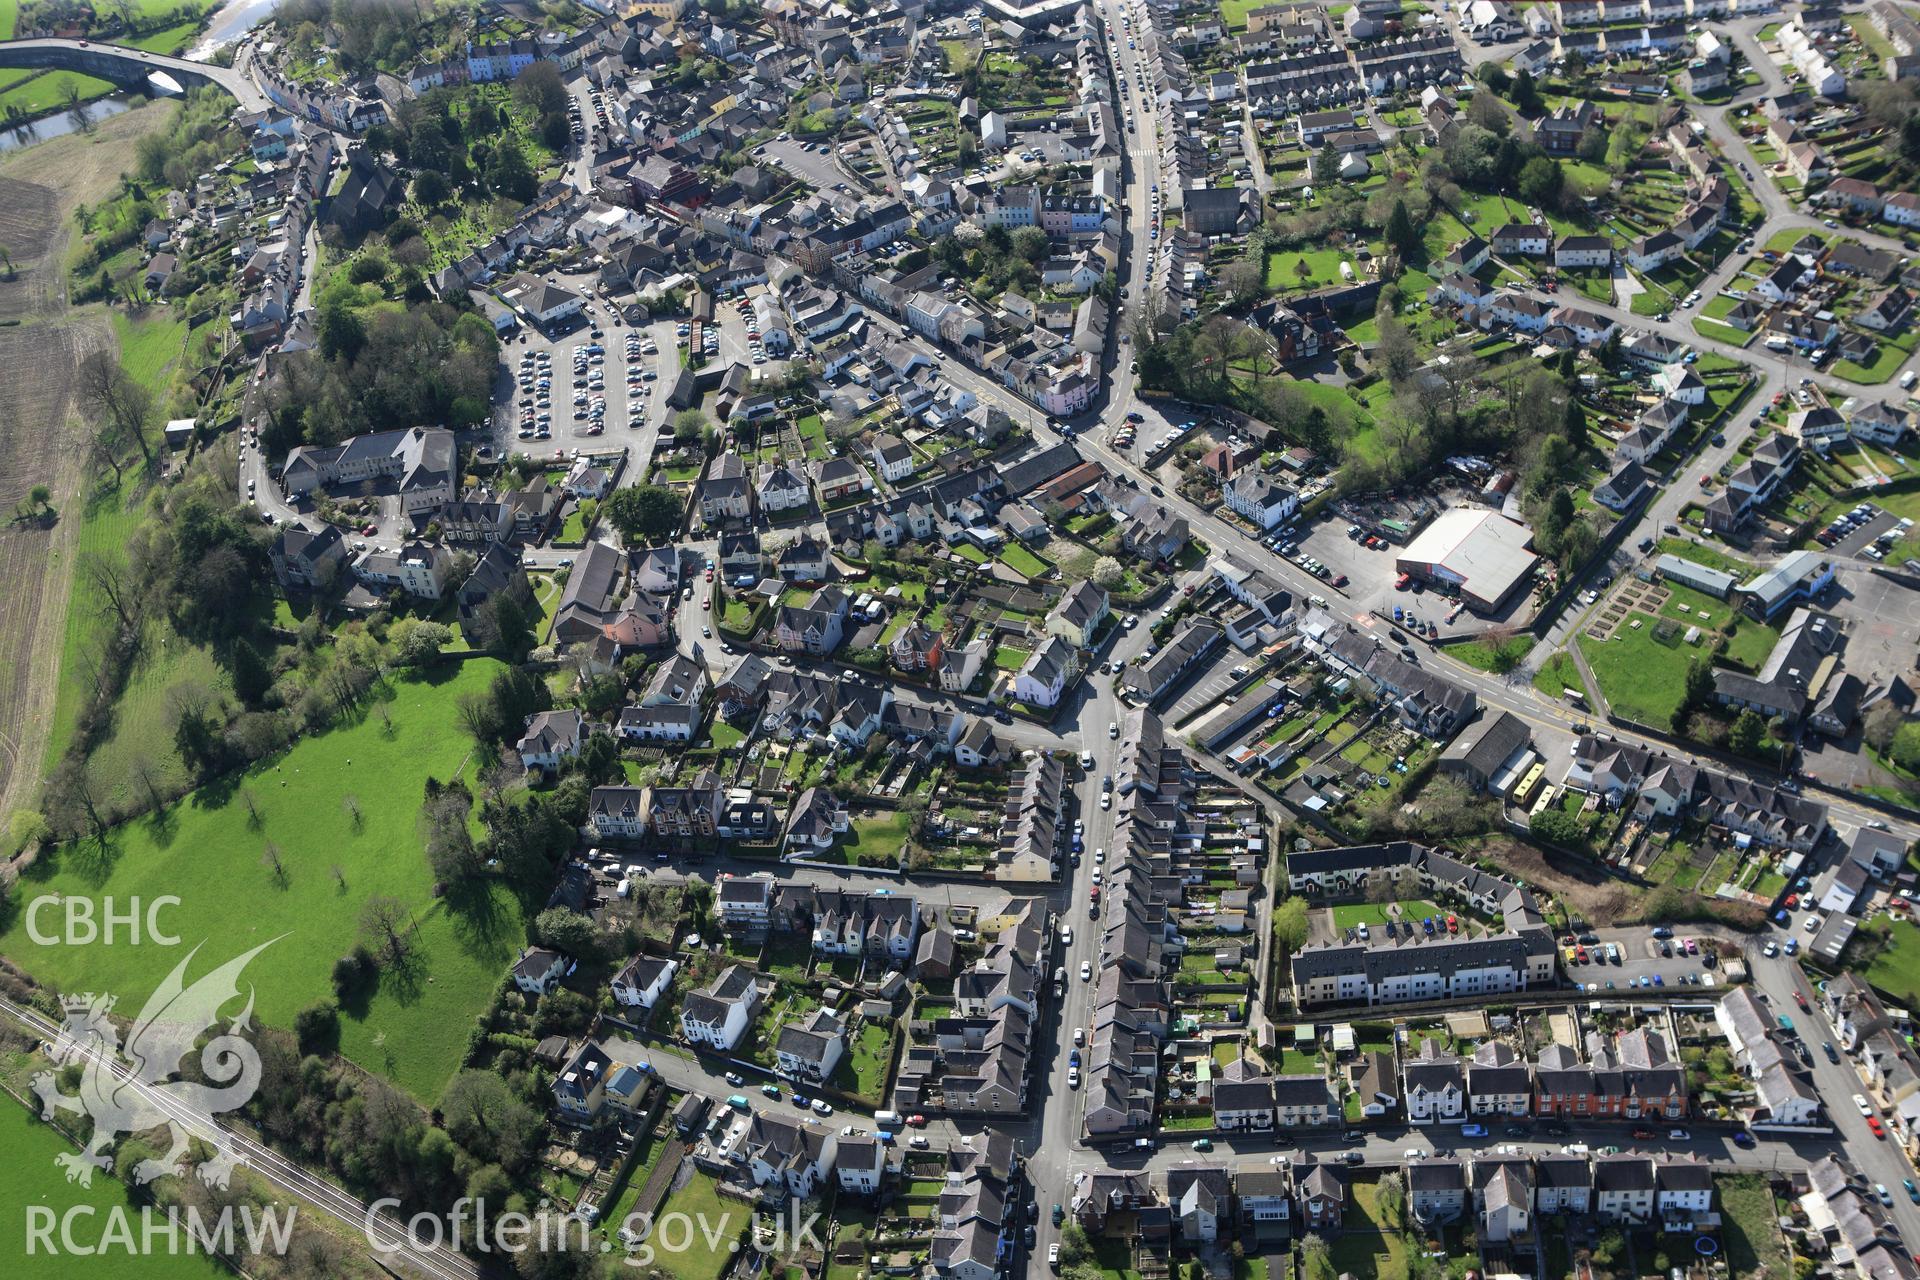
column 1643, row 679
column 30, row 1178
column 150, row 345
column 706, row 1217
column 38, row 94
column 1556, row 675
column 107, row 520
column 1484, row 656
column 1375, row 913
column 205, row 851
column 1896, row 969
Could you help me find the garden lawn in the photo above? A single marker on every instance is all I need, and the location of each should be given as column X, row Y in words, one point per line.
column 886, row 831
column 1721, row 332
column 1642, row 679
column 1896, row 969
column 1750, row 645
column 1887, row 360
column 1375, row 913
column 1023, row 561
column 1750, row 1232
column 705, row 1216
column 1363, row 1246
column 868, row 1060
column 205, row 851
column 31, row 1178
column 1323, row 268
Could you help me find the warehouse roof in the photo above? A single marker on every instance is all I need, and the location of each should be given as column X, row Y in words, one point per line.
column 1483, row 551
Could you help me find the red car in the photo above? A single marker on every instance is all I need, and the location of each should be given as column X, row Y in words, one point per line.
column 1339, row 579
column 917, row 1121
column 1792, row 900
column 1879, row 1130
column 1402, row 582
column 1093, row 894
column 370, row 530
column 1643, row 1135
column 1800, row 999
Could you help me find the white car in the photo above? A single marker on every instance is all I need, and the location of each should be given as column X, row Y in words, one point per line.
column 1860, row 1101
column 1086, row 971
column 1066, row 935
column 1079, row 1037
column 1073, row 1077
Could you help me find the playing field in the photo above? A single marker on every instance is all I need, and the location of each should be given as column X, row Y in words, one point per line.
column 29, row 1177
column 209, row 851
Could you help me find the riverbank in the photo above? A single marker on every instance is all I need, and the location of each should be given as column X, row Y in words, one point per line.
column 31, row 95
column 42, row 341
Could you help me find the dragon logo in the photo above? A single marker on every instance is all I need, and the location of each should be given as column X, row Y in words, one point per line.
column 136, row 1095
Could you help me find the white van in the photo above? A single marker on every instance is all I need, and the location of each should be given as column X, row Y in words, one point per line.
column 887, row 1119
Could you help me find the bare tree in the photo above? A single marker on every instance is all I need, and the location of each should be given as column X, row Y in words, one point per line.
column 388, row 923
column 252, row 802
column 350, row 805
column 108, row 579
column 115, row 395
column 270, row 859
column 143, row 768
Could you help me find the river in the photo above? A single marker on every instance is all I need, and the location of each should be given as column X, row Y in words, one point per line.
column 234, row 20
column 59, row 124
